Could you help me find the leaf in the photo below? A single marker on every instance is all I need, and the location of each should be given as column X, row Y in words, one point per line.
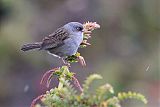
column 89, row 80
column 132, row 95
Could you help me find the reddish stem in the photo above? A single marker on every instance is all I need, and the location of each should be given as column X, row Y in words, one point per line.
column 36, row 99
column 48, row 76
column 76, row 83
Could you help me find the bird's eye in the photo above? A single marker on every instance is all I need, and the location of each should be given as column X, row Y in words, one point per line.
column 79, row 28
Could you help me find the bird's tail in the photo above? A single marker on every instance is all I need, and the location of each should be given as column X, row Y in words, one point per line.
column 31, row 46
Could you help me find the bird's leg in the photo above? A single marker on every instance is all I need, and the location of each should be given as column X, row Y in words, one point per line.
column 66, row 62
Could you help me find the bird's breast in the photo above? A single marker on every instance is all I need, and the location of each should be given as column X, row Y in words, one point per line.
column 69, row 47
column 77, row 39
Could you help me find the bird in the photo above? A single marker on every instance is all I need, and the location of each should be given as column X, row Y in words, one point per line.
column 64, row 42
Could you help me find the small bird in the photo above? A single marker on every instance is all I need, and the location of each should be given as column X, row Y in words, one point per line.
column 64, row 42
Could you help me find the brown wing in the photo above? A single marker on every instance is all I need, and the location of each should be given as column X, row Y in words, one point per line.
column 55, row 39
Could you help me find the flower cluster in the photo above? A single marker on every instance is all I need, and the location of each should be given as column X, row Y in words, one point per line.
column 88, row 28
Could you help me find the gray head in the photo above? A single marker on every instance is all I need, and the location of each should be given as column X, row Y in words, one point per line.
column 74, row 27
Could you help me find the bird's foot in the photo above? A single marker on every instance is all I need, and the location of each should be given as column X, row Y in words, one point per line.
column 66, row 63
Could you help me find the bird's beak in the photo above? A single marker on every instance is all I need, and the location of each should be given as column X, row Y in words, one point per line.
column 83, row 30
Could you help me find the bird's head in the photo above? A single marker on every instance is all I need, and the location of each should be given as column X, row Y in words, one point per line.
column 74, row 27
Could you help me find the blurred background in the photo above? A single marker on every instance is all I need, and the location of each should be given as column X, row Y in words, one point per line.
column 125, row 50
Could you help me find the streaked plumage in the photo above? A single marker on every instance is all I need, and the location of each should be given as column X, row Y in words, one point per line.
column 63, row 42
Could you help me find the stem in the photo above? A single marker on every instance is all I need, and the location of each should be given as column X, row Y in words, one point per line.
column 61, row 81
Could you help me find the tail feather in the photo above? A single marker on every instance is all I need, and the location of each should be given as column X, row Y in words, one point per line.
column 31, row 46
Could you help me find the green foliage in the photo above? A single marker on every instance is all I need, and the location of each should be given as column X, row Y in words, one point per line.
column 138, row 96
column 88, row 81
column 72, row 58
column 66, row 95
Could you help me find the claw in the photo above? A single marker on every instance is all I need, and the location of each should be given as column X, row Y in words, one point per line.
column 66, row 63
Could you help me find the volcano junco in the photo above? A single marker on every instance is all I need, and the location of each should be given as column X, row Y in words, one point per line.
column 65, row 41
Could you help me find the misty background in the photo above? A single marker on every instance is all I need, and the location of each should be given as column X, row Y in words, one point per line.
column 125, row 50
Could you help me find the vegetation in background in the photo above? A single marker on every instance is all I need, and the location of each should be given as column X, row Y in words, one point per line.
column 65, row 95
